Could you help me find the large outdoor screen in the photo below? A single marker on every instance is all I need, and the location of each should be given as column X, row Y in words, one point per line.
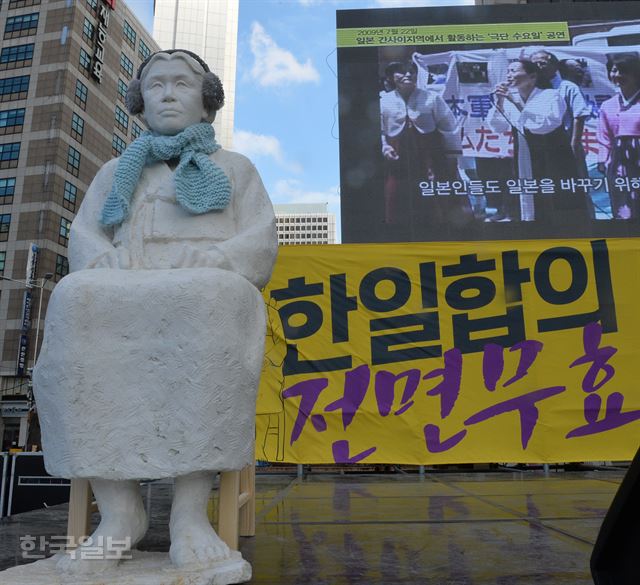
column 492, row 122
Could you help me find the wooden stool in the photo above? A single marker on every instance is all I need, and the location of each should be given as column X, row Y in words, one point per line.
column 236, row 507
column 81, row 505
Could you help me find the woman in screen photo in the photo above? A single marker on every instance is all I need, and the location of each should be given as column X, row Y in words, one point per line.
column 619, row 134
column 420, row 143
column 526, row 105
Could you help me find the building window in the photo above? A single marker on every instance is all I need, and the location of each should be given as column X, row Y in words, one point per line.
column 85, row 61
column 77, row 127
column 11, row 121
column 3, row 257
column 62, row 267
column 14, row 88
column 88, row 30
column 15, row 57
column 126, row 65
column 81, row 94
column 5, row 224
column 63, row 234
column 122, row 120
column 92, row 5
column 143, row 50
column 135, row 130
column 9, row 155
column 122, row 90
column 7, row 189
column 129, row 35
column 23, row 3
column 117, row 145
column 70, row 195
column 21, row 26
column 73, row 161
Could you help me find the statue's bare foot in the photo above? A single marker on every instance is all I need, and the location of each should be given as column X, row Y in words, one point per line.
column 124, row 523
column 194, row 542
column 112, row 540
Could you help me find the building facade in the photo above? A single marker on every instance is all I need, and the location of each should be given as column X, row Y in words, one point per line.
column 64, row 70
column 208, row 28
column 305, row 223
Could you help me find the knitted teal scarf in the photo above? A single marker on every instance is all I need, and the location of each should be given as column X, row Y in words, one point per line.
column 201, row 185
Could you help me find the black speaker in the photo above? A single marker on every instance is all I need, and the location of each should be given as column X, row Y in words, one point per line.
column 616, row 555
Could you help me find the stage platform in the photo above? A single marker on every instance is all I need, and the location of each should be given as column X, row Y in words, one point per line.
column 447, row 528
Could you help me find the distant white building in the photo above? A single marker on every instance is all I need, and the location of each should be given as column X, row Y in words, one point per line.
column 208, row 28
column 305, row 223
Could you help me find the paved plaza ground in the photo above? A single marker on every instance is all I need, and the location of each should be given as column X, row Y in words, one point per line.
column 493, row 528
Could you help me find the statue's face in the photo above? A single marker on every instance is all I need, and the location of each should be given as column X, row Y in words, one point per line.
column 172, row 94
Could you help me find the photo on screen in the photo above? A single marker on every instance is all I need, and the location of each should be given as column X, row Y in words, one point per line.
column 472, row 73
column 503, row 132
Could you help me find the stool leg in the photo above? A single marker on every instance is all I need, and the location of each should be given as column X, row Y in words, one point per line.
column 248, row 511
column 228, row 513
column 79, row 510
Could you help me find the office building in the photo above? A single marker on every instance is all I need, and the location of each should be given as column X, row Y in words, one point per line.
column 208, row 28
column 305, row 223
column 64, row 71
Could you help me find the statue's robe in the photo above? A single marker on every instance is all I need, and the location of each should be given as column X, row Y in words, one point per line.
column 153, row 343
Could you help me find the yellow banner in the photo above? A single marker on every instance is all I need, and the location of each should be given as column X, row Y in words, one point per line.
column 453, row 34
column 525, row 351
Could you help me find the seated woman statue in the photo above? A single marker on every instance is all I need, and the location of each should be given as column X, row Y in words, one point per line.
column 154, row 342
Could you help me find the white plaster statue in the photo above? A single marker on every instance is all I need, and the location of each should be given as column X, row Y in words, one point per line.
column 154, row 342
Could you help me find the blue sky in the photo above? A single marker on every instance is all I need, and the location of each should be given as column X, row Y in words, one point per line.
column 286, row 117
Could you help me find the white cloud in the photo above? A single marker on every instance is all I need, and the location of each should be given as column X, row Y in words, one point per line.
column 275, row 66
column 262, row 145
column 292, row 191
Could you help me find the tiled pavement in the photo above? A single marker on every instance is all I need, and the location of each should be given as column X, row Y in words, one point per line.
column 502, row 528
